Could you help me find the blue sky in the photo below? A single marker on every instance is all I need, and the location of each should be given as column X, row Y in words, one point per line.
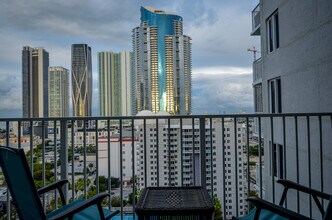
column 220, row 32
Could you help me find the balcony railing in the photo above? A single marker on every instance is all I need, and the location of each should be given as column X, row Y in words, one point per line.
column 123, row 155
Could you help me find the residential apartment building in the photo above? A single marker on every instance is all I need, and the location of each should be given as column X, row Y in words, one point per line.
column 161, row 64
column 121, row 153
column 81, row 79
column 58, row 84
column 294, row 76
column 164, row 160
column 35, row 62
column 115, row 83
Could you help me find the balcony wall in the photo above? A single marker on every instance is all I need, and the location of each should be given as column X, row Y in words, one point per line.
column 209, row 150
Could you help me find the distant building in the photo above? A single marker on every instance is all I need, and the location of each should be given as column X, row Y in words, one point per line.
column 294, row 76
column 163, row 160
column 58, row 91
column 115, row 83
column 35, row 62
column 81, row 79
column 161, row 64
column 113, row 153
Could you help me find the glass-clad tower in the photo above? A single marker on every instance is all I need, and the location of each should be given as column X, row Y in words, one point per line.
column 161, row 64
column 35, row 62
column 81, row 79
column 58, row 83
column 114, row 71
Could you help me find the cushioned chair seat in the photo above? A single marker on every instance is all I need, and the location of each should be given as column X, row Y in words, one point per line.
column 88, row 213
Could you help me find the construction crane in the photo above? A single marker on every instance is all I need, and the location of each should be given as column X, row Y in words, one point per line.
column 254, row 51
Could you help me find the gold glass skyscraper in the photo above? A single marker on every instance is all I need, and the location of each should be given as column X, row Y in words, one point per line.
column 81, row 79
column 35, row 62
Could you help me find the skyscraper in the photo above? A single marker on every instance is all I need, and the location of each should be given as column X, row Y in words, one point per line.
column 58, row 83
column 115, row 90
column 81, row 78
column 161, row 63
column 35, row 62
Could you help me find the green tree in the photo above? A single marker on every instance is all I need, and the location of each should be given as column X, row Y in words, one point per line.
column 92, row 191
column 254, row 151
column 116, row 202
column 131, row 180
column 79, row 185
column 103, row 183
column 217, row 209
column 130, row 197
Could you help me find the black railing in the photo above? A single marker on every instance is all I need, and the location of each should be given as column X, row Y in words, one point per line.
column 218, row 152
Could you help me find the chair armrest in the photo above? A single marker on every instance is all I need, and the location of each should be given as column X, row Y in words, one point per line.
column 55, row 185
column 292, row 185
column 95, row 200
column 279, row 210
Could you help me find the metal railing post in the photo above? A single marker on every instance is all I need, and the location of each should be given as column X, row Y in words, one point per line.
column 202, row 151
column 64, row 154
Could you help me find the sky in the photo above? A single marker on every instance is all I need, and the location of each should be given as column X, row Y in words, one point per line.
column 220, row 32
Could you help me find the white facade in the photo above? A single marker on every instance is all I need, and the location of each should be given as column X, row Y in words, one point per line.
column 296, row 64
column 114, row 154
column 155, row 156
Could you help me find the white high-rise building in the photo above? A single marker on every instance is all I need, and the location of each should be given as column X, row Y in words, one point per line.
column 164, row 161
column 114, row 154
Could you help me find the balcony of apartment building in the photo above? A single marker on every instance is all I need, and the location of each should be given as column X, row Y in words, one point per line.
column 123, row 155
column 256, row 21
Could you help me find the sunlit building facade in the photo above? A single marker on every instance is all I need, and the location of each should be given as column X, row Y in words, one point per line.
column 115, row 83
column 81, row 79
column 58, row 83
column 35, row 62
column 161, row 64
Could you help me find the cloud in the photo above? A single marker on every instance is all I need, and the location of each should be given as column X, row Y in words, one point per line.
column 221, row 35
column 10, row 92
column 216, row 70
column 220, row 32
column 98, row 20
column 219, row 93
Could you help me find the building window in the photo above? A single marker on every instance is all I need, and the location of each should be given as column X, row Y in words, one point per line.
column 258, row 98
column 277, row 161
column 272, row 24
column 275, row 96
